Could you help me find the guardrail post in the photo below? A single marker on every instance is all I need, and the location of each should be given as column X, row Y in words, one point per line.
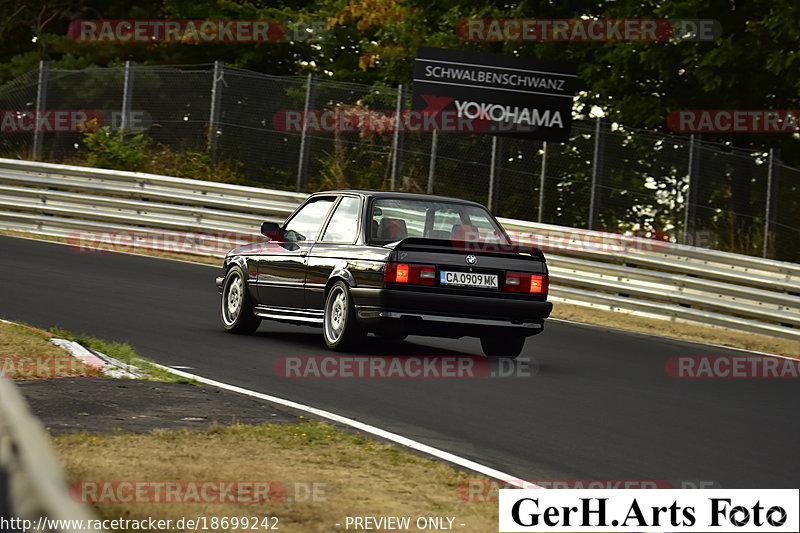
column 432, row 163
column 492, row 165
column 542, row 181
column 691, row 190
column 768, row 209
column 127, row 97
column 302, row 163
column 397, row 139
column 216, row 106
column 597, row 170
column 41, row 97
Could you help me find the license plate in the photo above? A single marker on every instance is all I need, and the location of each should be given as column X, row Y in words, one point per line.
column 468, row 279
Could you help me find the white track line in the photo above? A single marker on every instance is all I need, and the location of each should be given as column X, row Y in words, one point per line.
column 366, row 428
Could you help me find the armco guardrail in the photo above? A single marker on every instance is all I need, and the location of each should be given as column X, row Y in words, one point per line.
column 602, row 270
column 32, row 485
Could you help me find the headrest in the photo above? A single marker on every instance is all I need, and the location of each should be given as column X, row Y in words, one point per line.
column 393, row 229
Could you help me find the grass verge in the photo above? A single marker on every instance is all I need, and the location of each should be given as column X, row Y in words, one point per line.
column 26, row 353
column 678, row 330
column 350, row 475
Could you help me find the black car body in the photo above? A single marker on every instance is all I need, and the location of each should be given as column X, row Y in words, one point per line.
column 392, row 264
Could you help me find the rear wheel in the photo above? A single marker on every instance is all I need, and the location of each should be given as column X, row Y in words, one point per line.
column 502, row 347
column 340, row 328
column 236, row 307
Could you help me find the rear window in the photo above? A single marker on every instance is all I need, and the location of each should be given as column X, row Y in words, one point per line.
column 396, row 219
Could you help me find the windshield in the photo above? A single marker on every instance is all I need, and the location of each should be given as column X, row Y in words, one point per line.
column 396, row 219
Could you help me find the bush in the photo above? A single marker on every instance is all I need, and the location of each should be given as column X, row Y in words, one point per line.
column 108, row 149
column 195, row 165
column 139, row 153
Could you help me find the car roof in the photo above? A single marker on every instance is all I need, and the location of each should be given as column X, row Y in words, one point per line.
column 399, row 196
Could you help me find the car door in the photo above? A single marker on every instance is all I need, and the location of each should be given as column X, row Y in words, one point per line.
column 334, row 249
column 282, row 269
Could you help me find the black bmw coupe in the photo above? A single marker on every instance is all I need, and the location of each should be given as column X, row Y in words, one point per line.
column 392, row 264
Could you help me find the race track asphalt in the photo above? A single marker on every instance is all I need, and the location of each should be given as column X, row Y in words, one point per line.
column 599, row 407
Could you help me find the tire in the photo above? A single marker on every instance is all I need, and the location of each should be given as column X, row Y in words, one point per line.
column 502, row 347
column 236, row 306
column 340, row 327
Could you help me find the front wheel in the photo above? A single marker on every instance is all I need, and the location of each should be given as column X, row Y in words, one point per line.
column 236, row 307
column 340, row 328
column 506, row 347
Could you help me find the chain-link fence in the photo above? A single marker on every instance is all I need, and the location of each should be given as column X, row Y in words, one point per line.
column 608, row 177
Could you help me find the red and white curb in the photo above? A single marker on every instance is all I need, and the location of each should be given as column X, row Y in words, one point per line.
column 111, row 367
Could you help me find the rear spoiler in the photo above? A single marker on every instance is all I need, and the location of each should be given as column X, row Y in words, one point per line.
column 467, row 247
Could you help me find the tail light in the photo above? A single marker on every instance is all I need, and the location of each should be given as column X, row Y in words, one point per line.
column 413, row 274
column 530, row 283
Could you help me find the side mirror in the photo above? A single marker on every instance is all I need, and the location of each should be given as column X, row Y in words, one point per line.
column 293, row 236
column 272, row 230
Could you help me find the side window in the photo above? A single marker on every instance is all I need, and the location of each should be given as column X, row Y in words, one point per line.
column 343, row 226
column 309, row 219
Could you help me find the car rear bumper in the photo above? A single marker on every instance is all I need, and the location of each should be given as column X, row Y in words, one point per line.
column 447, row 315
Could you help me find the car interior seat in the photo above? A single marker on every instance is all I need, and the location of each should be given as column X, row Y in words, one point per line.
column 464, row 232
column 393, row 229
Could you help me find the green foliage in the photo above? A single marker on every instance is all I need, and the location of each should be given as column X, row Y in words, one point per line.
column 138, row 153
column 194, row 165
column 109, row 149
column 361, row 166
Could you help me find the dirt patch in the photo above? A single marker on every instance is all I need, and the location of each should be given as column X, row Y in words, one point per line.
column 138, row 406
